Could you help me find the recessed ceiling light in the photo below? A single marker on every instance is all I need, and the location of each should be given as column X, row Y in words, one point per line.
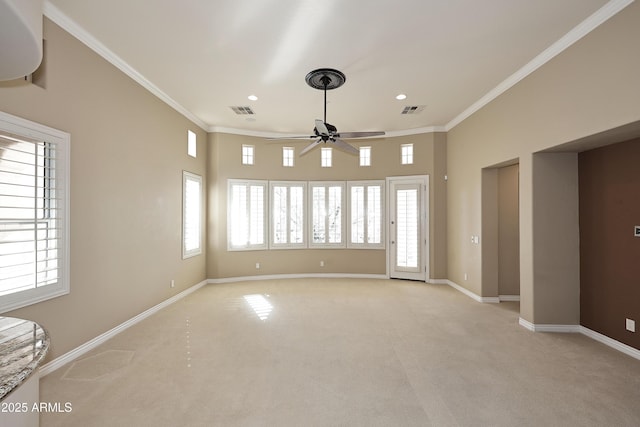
column 401, row 96
column 252, row 97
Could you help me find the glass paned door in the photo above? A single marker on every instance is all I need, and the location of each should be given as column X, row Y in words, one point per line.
column 408, row 228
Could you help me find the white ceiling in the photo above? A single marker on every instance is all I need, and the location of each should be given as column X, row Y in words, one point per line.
column 203, row 56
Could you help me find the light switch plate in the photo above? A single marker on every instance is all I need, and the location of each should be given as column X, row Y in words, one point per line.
column 631, row 325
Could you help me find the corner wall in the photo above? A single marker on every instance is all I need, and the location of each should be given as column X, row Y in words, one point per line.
column 589, row 88
column 128, row 151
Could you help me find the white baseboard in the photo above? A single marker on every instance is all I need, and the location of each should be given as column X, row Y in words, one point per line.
column 472, row 295
column 628, row 350
column 549, row 327
column 90, row 345
column 509, row 297
column 616, row 345
column 297, row 276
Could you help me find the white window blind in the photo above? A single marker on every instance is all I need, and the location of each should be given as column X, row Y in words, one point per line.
column 287, row 214
column 407, row 216
column 366, row 207
column 327, row 214
column 191, row 214
column 33, row 209
column 246, row 222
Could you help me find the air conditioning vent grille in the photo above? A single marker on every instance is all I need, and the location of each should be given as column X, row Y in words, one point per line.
column 412, row 109
column 243, row 110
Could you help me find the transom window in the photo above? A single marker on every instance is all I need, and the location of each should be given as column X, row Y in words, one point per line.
column 287, row 156
column 325, row 157
column 406, row 154
column 248, row 154
column 365, row 156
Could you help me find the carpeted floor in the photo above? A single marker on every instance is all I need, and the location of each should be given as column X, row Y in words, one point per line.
column 343, row 352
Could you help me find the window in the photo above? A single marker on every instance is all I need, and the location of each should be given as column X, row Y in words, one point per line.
column 366, row 206
column 191, row 143
column 327, row 214
column 247, row 154
column 246, row 215
column 365, row 156
column 407, row 154
column 287, row 156
column 287, row 214
column 191, row 214
column 325, row 157
column 34, row 202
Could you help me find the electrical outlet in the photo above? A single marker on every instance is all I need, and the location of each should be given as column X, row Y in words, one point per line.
column 466, row 276
column 321, row 263
column 257, row 266
column 173, row 283
column 631, row 325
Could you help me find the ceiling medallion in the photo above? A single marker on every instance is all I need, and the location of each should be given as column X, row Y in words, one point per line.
column 325, row 79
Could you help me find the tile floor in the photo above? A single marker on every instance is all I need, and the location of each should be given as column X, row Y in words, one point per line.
column 343, row 352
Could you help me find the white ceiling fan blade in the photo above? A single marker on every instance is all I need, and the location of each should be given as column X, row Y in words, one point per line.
column 283, row 138
column 310, row 147
column 321, row 127
column 340, row 144
column 358, row 134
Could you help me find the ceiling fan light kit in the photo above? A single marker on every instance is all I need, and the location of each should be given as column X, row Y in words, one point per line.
column 327, row 79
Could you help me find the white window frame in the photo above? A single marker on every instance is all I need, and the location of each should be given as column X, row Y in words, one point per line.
column 326, row 185
column 302, row 185
column 365, row 156
column 326, row 154
column 257, row 216
column 191, row 216
column 288, row 157
column 406, row 154
column 25, row 129
column 248, row 154
column 366, row 206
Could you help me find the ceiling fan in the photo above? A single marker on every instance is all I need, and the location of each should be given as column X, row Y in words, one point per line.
column 326, row 79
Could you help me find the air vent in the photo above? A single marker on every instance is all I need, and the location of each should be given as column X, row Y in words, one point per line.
column 243, row 110
column 412, row 109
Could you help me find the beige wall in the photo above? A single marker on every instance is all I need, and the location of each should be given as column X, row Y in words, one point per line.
column 128, row 151
column 224, row 162
column 591, row 87
column 508, row 231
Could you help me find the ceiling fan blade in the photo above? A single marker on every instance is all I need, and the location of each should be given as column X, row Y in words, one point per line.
column 340, row 144
column 310, row 147
column 275, row 138
column 358, row 134
column 321, row 127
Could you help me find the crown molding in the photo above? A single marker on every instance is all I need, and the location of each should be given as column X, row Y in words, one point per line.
column 610, row 9
column 73, row 28
column 579, row 31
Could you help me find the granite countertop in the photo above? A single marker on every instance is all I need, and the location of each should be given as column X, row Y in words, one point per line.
column 23, row 346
